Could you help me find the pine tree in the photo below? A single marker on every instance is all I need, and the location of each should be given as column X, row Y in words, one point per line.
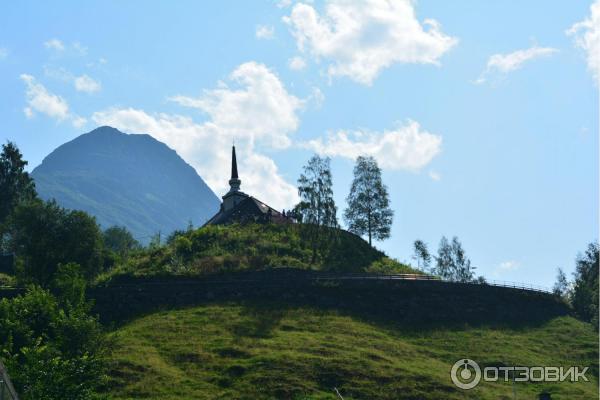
column 368, row 209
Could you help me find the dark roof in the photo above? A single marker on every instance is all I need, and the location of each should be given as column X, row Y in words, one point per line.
column 248, row 210
column 234, row 172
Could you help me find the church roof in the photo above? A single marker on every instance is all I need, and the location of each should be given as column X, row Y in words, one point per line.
column 238, row 206
column 248, row 210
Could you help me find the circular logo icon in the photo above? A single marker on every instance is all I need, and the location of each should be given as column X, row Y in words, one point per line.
column 465, row 374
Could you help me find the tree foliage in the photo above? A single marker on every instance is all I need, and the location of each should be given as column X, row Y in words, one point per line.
column 585, row 287
column 16, row 186
column 561, row 287
column 421, row 254
column 52, row 352
column 368, row 211
column 317, row 209
column 45, row 235
column 120, row 241
column 452, row 263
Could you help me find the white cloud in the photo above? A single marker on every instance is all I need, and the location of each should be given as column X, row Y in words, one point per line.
column 253, row 108
column 82, row 83
column 78, row 122
column 42, row 101
column 406, row 148
column 587, row 37
column 316, row 97
column 284, row 3
column 296, row 63
column 265, row 32
column 435, row 176
column 3, row 53
column 506, row 266
column 86, row 84
column 502, row 64
column 362, row 38
column 54, row 44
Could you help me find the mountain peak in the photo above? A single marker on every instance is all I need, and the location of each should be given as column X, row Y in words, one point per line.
column 124, row 179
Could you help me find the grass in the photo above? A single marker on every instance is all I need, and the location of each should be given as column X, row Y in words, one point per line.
column 253, row 351
column 217, row 249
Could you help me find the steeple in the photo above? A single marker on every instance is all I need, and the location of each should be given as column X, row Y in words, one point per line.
column 234, row 182
column 234, row 173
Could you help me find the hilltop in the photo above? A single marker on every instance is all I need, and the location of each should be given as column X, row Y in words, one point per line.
column 127, row 180
column 251, row 247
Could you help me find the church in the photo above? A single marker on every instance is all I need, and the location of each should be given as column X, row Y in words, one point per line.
column 239, row 207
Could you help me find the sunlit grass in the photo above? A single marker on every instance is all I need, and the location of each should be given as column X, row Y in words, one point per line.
column 232, row 351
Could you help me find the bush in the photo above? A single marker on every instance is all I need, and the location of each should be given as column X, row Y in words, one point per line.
column 52, row 352
column 388, row 266
column 45, row 235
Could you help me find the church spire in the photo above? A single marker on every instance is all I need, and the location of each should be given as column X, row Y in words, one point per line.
column 234, row 182
column 234, row 173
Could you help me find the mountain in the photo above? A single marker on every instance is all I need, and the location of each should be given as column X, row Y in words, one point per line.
column 130, row 180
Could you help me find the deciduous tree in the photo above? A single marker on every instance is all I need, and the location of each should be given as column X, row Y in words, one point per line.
column 317, row 209
column 368, row 211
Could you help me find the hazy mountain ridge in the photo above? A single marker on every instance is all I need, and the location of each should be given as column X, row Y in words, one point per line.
column 130, row 180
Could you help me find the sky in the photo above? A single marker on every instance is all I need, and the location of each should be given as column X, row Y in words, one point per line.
column 482, row 115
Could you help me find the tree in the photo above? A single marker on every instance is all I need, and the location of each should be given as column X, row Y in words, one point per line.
column 16, row 186
column 444, row 261
column 422, row 255
column 119, row 240
column 317, row 208
column 45, row 235
column 561, row 287
column 585, row 288
column 452, row 263
column 368, row 209
column 463, row 272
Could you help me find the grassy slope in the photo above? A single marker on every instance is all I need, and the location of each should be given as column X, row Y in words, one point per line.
column 230, row 351
column 214, row 249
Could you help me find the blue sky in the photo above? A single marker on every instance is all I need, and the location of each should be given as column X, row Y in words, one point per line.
column 483, row 115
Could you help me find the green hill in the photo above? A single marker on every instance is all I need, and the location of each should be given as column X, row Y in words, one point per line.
column 251, row 351
column 250, row 247
column 246, row 312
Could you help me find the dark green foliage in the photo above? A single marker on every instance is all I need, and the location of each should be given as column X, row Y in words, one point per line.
column 452, row 263
column 45, row 235
column 69, row 285
column 52, row 352
column 585, row 289
column 126, row 180
column 16, row 186
column 317, row 209
column 218, row 248
column 120, row 241
column 44, row 375
column 368, row 211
